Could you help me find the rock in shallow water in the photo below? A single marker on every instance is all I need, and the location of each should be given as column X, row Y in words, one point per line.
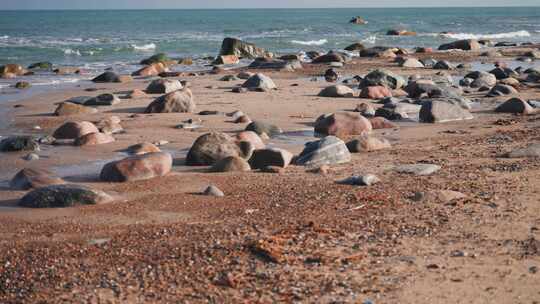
column 138, row 167
column 61, row 196
column 327, row 151
column 19, row 143
column 29, row 178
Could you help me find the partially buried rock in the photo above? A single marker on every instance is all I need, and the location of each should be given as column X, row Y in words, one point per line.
column 355, row 47
column 443, row 65
column 360, row 180
column 163, row 86
column 136, row 94
column 532, row 150
column 143, row 148
column 259, row 82
column 337, row 91
column 272, row 157
column 110, row 125
column 21, row 85
column 331, row 75
column 412, row 63
column 109, row 77
column 93, row 139
column 19, row 143
column 263, row 128
column 231, row 164
column 381, row 123
column 75, row 129
column 138, row 167
column 151, row 70
column 342, row 124
column 375, row 92
column 327, row 151
column 517, row 106
column 501, row 90
column 213, row 147
column 436, row 111
column 365, row 109
column 29, row 178
column 174, row 102
column 69, row 108
column 466, row 45
column 328, row 58
column 213, row 191
column 368, row 144
column 418, row 169
column 103, row 100
column 61, row 196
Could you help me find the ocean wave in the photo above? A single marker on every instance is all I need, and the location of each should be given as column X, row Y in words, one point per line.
column 146, row 47
column 312, row 42
column 371, row 39
column 4, row 37
column 72, row 52
column 487, row 36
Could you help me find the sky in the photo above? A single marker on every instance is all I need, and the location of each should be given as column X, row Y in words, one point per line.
column 190, row 4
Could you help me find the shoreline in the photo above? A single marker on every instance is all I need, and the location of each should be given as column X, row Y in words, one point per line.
column 292, row 234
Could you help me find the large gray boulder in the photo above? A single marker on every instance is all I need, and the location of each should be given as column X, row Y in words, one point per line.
column 436, row 111
column 61, row 196
column 175, row 102
column 327, row 151
column 241, row 49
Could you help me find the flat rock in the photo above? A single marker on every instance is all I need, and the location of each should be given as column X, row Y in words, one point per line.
column 264, row 128
column 337, row 91
column 418, row 169
column 103, row 100
column 368, row 144
column 69, row 108
column 93, row 139
column 29, row 178
column 143, row 148
column 532, row 150
column 61, row 196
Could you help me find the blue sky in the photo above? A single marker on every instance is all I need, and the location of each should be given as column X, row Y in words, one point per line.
column 135, row 4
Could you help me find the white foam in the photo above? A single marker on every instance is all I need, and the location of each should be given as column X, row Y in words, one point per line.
column 312, row 42
column 371, row 39
column 487, row 36
column 146, row 47
column 72, row 52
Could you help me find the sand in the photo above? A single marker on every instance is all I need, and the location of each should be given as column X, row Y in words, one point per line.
column 297, row 236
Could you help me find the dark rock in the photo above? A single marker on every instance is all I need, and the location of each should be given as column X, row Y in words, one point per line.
column 18, row 143
column 61, row 196
column 213, row 147
column 261, row 128
column 466, row 45
column 29, row 178
column 259, row 82
column 163, row 86
column 383, row 78
column 271, row 157
column 241, row 49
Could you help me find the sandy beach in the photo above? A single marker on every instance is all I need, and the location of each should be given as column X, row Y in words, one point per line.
column 469, row 233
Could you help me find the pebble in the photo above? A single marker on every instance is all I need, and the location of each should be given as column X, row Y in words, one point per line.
column 364, row 180
column 161, row 143
column 31, row 157
column 213, row 191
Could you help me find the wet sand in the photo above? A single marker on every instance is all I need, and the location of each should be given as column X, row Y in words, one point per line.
column 160, row 241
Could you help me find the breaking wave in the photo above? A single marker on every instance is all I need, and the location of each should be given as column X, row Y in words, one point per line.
column 146, row 47
column 487, row 36
column 311, row 42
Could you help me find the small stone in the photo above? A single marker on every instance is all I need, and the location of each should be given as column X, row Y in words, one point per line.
column 418, row 169
column 213, row 191
column 360, row 180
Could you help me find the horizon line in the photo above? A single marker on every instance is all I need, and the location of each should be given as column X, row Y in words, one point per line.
column 259, row 8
